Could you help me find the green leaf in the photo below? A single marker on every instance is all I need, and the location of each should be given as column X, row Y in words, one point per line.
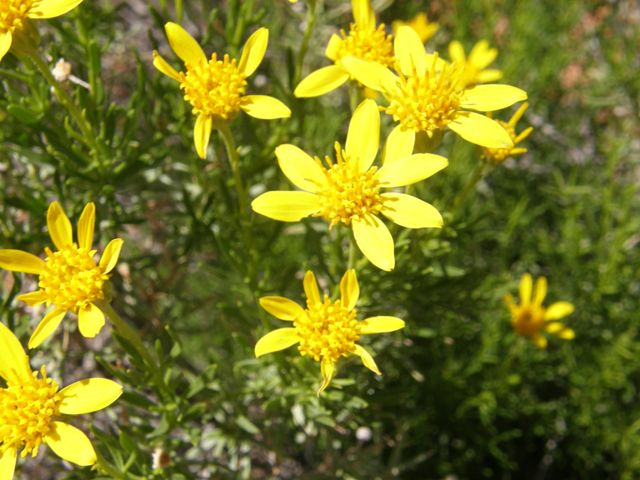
column 25, row 115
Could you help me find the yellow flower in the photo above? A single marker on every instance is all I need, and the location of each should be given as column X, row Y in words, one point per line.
column 348, row 191
column 496, row 156
column 29, row 403
column 216, row 88
column 364, row 41
column 474, row 66
column 530, row 317
column 14, row 15
column 425, row 97
column 325, row 331
column 419, row 23
column 69, row 278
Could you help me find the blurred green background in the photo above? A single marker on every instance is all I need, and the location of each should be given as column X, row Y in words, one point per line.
column 461, row 396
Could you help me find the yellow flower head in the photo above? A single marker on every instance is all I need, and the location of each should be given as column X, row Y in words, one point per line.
column 29, row 404
column 496, row 156
column 69, row 278
column 325, row 331
column 473, row 71
column 419, row 23
column 349, row 190
column 530, row 317
column 426, row 96
column 216, row 88
column 364, row 41
column 14, row 14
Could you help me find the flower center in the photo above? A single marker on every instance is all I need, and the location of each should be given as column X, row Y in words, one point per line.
column 348, row 192
column 26, row 411
column 426, row 102
column 498, row 155
column 71, row 279
column 367, row 45
column 13, row 12
column 214, row 88
column 529, row 320
column 327, row 330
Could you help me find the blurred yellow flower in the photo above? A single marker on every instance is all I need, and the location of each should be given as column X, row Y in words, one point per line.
column 364, row 41
column 419, row 23
column 216, row 88
column 426, row 97
column 474, row 67
column 496, row 156
column 28, row 405
column 325, row 331
column 348, row 191
column 69, row 278
column 14, row 15
column 530, row 317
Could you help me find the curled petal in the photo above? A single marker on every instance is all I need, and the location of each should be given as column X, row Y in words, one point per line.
column 110, row 255
column 88, row 396
column 90, row 321
column 286, row 206
column 46, row 327
column 59, row 226
column 86, row 226
column 33, row 299
column 161, row 64
column 311, row 287
column 349, row 290
column 264, row 107
column 276, row 341
column 70, row 444
column 253, row 51
column 321, row 81
column 184, row 44
column 380, row 325
column 375, row 241
column 363, row 137
column 326, row 367
column 19, row 261
column 367, row 359
column 281, row 307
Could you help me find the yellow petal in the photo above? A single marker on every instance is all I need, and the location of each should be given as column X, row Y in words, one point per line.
column 363, row 137
column 399, row 145
column 202, row 134
column 367, row 359
column 380, row 325
column 540, row 341
column 326, row 368
column 410, row 212
column 5, row 45
column 88, row 396
column 333, row 47
column 412, row 169
column 321, row 81
column 311, row 287
column 539, row 291
column 184, row 45
column 8, row 463
column 481, row 130
column 161, row 64
column 481, row 55
column 300, row 168
column 90, row 321
column 46, row 327
column 487, row 98
column 560, row 330
column 86, row 225
column 70, row 444
column 375, row 241
column 435, row 62
column 59, row 226
column 14, row 363
column 370, row 74
column 456, row 52
column 253, row 51
column 264, row 107
column 276, row 341
column 110, row 255
column 33, row 299
column 281, row 307
column 286, row 206
column 363, row 14
column 349, row 290
column 53, row 8
column 409, row 50
column 19, row 261
column 489, row 76
column 558, row 310
column 526, row 284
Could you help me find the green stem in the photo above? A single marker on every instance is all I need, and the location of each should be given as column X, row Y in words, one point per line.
column 311, row 21
column 353, row 252
column 477, row 176
column 105, row 467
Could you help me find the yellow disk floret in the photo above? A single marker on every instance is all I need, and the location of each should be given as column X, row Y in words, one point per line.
column 529, row 320
column 71, row 279
column 375, row 45
column 214, row 88
column 426, row 102
column 348, row 192
column 25, row 413
column 327, row 330
column 13, row 13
